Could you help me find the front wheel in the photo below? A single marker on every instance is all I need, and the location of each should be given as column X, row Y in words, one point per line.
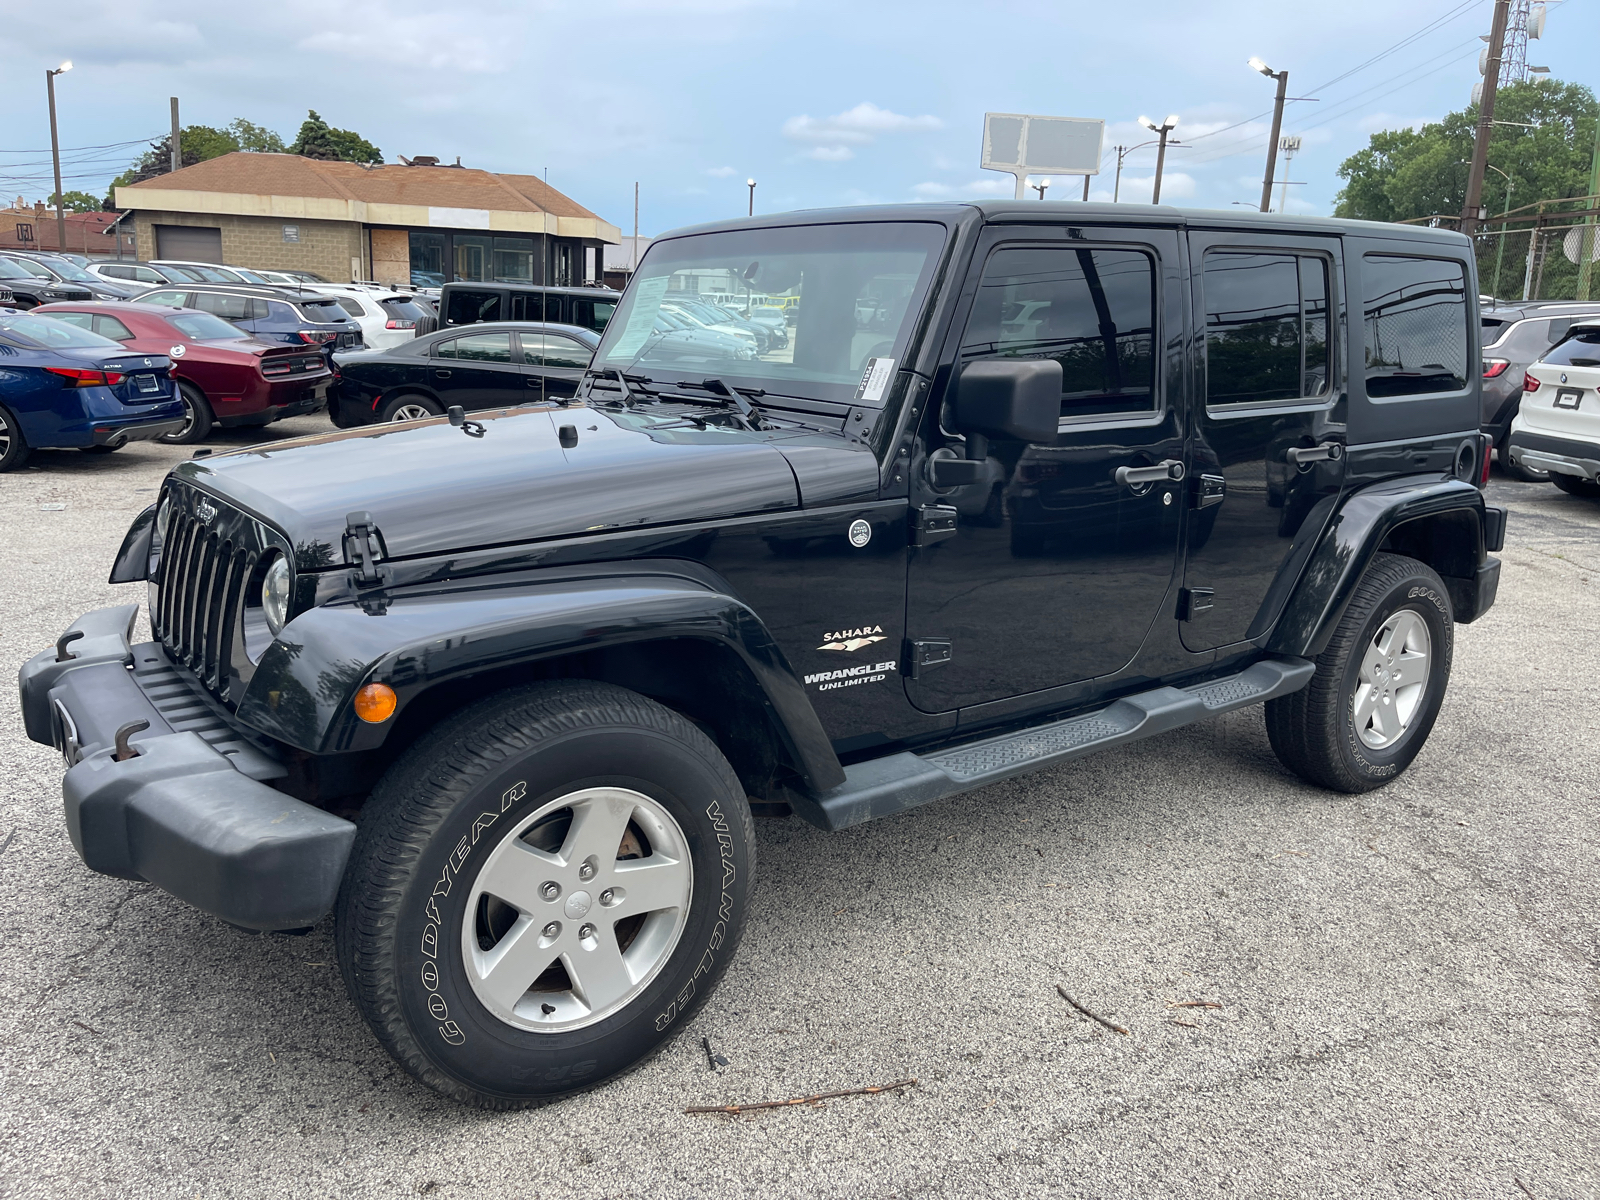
column 1368, row 710
column 542, row 890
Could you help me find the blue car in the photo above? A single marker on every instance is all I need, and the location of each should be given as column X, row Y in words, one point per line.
column 61, row 386
column 294, row 316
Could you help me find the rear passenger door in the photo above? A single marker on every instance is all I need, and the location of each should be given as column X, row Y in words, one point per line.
column 1267, row 456
column 477, row 371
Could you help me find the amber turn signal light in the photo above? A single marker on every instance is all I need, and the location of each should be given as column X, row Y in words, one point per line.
column 375, row 703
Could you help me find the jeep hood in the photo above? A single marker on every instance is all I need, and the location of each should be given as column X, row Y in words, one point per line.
column 432, row 487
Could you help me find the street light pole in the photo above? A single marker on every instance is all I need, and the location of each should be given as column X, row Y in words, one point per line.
column 1277, row 126
column 1500, row 251
column 1040, row 187
column 55, row 155
column 1161, row 132
column 751, row 184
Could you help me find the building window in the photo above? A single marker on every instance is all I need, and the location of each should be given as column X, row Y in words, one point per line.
column 473, row 256
column 563, row 265
column 513, row 260
column 427, row 259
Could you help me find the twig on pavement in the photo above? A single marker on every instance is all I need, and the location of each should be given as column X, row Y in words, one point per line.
column 81, row 1025
column 736, row 1109
column 1524, row 1188
column 1193, row 1004
column 1092, row 1016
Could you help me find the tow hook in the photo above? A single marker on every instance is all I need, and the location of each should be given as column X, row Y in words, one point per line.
column 125, row 750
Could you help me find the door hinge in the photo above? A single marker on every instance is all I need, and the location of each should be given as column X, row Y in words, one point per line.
column 932, row 523
column 1209, row 490
column 922, row 654
column 1194, row 601
column 363, row 549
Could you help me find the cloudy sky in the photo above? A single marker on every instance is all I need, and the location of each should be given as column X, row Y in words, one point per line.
column 823, row 102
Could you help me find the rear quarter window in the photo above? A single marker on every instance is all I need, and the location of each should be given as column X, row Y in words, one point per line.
column 1415, row 315
column 1581, row 349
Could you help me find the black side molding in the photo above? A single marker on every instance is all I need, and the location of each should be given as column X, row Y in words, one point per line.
column 883, row 786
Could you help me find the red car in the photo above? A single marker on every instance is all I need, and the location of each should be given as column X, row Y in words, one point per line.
column 225, row 377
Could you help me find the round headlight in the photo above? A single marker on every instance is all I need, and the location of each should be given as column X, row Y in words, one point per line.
column 163, row 517
column 275, row 595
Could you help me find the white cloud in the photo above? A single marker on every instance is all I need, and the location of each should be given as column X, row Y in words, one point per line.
column 1175, row 185
column 721, row 172
column 858, row 126
column 975, row 190
column 366, row 31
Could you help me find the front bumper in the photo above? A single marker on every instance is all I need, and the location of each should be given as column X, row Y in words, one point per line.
column 1564, row 456
column 189, row 808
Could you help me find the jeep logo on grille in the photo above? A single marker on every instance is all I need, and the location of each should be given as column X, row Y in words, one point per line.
column 204, row 511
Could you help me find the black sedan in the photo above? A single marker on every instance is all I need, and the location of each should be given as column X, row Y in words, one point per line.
column 497, row 365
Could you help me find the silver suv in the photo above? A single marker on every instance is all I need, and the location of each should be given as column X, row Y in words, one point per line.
column 1514, row 338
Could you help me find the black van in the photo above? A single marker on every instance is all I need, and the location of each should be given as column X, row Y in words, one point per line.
column 470, row 303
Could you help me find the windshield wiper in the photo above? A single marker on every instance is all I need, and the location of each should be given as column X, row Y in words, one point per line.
column 623, row 379
column 735, row 397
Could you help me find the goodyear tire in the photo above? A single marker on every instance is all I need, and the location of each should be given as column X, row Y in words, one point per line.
column 1372, row 703
column 542, row 891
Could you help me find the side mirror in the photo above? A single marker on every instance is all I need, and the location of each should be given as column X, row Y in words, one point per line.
column 1017, row 398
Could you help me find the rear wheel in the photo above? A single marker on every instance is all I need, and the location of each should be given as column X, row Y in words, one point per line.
column 1573, row 486
column 1368, row 710
column 13, row 446
column 411, row 408
column 542, row 889
column 197, row 417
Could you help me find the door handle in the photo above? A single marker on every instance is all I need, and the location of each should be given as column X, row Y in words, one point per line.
column 1326, row 452
column 442, row 374
column 1169, row 469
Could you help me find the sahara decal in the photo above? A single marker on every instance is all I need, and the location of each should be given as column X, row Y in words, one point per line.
column 852, row 639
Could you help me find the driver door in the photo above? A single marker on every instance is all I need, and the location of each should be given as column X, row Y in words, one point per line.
column 1053, row 568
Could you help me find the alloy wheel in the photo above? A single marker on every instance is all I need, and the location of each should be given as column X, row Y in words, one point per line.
column 1393, row 680
column 412, row 412
column 577, row 909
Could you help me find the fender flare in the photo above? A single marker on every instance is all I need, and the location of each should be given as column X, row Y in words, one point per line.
column 302, row 689
column 1355, row 533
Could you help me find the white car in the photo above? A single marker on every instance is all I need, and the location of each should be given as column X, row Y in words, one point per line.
column 1557, row 428
column 387, row 317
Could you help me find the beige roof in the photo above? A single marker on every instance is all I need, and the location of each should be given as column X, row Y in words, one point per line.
column 287, row 185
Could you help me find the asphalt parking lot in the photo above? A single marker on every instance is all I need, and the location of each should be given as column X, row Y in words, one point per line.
column 1400, row 989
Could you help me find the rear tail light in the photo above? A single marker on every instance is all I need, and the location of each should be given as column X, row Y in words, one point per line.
column 1483, row 471
column 316, row 337
column 1529, row 383
column 1493, row 368
column 395, row 323
column 77, row 378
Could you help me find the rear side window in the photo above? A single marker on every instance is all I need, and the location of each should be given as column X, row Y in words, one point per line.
column 1091, row 310
column 1415, row 312
column 81, row 320
column 226, row 306
column 322, row 310
column 1581, row 349
column 484, row 347
column 118, row 272
column 529, row 306
column 112, row 328
column 203, row 327
column 1266, row 327
column 351, row 306
column 468, row 307
column 554, row 350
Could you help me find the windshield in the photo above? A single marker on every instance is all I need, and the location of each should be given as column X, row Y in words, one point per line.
column 71, row 270
column 47, row 331
column 10, row 270
column 204, row 327
column 852, row 292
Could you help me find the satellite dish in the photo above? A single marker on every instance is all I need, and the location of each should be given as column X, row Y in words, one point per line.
column 1477, row 93
column 1536, row 16
column 1573, row 243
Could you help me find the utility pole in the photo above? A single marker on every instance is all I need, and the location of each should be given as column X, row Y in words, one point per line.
column 1116, row 187
column 1586, row 238
column 177, row 152
column 1480, row 145
column 751, row 184
column 1161, row 131
column 55, row 155
column 1277, row 127
column 1040, row 187
column 633, row 259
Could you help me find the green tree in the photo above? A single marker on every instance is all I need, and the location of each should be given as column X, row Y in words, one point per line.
column 79, row 202
column 255, row 138
column 318, row 139
column 1545, row 148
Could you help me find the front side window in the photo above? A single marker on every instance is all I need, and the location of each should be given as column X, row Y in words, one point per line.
column 1266, row 327
column 553, row 350
column 162, row 296
column 228, row 307
column 468, row 307
column 1581, row 349
column 112, row 328
column 47, row 331
column 823, row 272
column 1092, row 310
column 1415, row 312
column 527, row 306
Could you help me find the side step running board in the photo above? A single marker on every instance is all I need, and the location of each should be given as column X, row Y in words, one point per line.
column 882, row 786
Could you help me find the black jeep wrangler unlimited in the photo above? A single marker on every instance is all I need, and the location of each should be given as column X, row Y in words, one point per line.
column 1026, row 480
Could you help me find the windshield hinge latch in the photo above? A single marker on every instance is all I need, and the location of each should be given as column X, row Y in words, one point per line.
column 363, row 549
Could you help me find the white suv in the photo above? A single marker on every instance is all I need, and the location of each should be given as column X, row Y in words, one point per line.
column 386, row 316
column 1558, row 426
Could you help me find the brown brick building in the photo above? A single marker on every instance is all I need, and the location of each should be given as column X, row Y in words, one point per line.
column 393, row 223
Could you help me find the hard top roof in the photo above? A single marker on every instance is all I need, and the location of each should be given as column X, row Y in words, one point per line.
column 564, row 289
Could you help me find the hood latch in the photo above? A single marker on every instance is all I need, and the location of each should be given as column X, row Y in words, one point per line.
column 363, row 549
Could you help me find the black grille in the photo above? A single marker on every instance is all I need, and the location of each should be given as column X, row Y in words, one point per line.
column 74, row 294
column 202, row 577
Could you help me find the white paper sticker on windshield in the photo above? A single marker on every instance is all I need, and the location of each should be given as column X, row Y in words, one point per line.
column 642, row 320
column 875, row 380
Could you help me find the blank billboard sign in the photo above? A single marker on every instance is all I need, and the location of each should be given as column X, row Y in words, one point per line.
column 1037, row 145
